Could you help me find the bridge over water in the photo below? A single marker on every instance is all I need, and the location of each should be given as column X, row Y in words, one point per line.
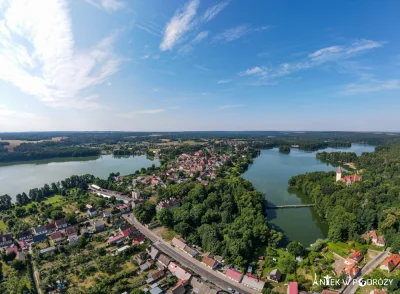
column 290, row 206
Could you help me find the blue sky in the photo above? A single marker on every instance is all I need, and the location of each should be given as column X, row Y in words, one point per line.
column 157, row 65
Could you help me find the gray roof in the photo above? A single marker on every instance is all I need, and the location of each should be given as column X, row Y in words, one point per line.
column 153, row 252
column 156, row 290
column 164, row 259
column 191, row 251
column 40, row 229
column 253, row 282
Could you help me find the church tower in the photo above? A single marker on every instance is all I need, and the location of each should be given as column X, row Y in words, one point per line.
column 338, row 174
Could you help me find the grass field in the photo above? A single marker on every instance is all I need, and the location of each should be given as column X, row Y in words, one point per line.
column 56, row 200
column 3, row 226
column 15, row 143
column 344, row 249
column 166, row 234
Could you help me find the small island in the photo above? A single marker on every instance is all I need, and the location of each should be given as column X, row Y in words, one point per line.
column 284, row 149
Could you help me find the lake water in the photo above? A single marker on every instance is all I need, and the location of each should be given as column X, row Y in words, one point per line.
column 20, row 178
column 270, row 173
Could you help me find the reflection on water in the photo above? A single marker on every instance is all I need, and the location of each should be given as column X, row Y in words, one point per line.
column 270, row 173
column 20, row 178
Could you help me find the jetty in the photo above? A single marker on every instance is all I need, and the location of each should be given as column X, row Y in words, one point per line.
column 290, row 206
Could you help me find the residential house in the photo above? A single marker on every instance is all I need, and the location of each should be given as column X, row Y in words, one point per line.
column 61, row 224
column 124, row 208
column 24, row 245
column 12, row 249
column 141, row 258
column 106, row 214
column 48, row 250
column 91, row 212
column 71, row 231
column 253, row 282
column 115, row 240
column 168, row 204
column 190, row 251
column 210, row 262
column 156, row 290
column 5, row 240
column 329, row 292
column 179, row 242
column 40, row 230
column 145, row 266
column 139, row 239
column 375, row 239
column 136, row 194
column 25, row 236
column 179, row 272
column 73, row 240
column 39, row 238
column 179, row 288
column 378, row 292
column 234, row 275
column 390, row 263
column 293, row 288
column 275, row 275
column 163, row 260
column 122, row 249
column 97, row 226
column 155, row 276
column 153, row 252
column 20, row 256
column 356, row 255
column 351, row 268
column 51, row 228
column 57, row 237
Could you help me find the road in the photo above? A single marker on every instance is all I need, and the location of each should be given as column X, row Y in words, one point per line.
column 191, row 263
column 351, row 289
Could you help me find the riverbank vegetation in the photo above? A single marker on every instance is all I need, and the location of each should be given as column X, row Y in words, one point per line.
column 373, row 203
column 284, row 149
column 337, row 157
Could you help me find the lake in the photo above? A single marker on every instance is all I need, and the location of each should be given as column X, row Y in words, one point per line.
column 20, row 178
column 270, row 173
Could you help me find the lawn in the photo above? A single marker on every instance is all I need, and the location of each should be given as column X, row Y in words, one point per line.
column 3, row 226
column 167, row 234
column 56, row 200
column 344, row 249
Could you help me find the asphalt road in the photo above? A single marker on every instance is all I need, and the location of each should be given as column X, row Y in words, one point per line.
column 351, row 289
column 189, row 262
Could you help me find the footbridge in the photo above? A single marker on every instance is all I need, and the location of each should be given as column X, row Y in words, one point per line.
column 291, row 206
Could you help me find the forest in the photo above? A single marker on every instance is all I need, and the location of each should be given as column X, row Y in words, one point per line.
column 337, row 156
column 373, row 203
column 45, row 150
column 225, row 217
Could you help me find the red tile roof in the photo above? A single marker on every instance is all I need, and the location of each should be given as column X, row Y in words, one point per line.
column 394, row 258
column 234, row 274
column 293, row 288
column 56, row 235
column 209, row 261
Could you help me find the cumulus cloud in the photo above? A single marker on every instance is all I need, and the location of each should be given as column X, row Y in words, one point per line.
column 37, row 55
column 181, row 22
column 251, row 71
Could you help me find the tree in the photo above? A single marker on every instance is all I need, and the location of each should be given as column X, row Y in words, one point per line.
column 288, row 265
column 165, row 217
column 70, row 218
column 137, row 291
column 295, row 248
column 56, row 214
column 18, row 264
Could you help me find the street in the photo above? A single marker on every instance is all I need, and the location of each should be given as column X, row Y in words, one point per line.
column 191, row 263
column 351, row 289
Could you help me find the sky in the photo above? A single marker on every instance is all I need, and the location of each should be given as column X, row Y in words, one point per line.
column 192, row 65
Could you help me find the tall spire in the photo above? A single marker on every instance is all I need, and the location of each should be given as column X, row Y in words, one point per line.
column 339, row 170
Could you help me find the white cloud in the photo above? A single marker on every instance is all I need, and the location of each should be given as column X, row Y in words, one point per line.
column 37, row 55
column 181, row 22
column 146, row 56
column 329, row 54
column 5, row 112
column 214, row 10
column 187, row 48
column 238, row 32
column 371, row 86
column 251, row 71
column 230, row 106
column 340, row 52
column 224, row 81
column 108, row 5
column 200, row 37
column 150, row 111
